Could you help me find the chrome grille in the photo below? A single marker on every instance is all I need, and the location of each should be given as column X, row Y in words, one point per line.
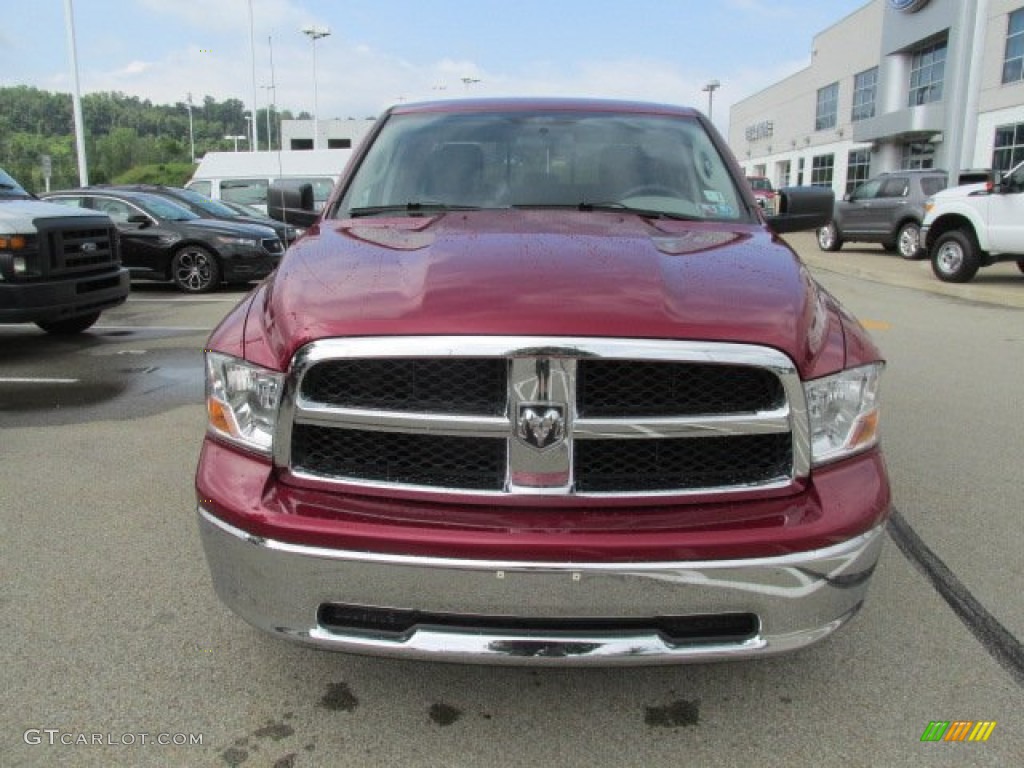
column 554, row 416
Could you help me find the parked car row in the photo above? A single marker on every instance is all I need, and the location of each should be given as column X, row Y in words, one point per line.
column 171, row 234
column 887, row 209
column 960, row 229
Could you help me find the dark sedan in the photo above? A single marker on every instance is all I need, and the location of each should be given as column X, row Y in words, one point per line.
column 161, row 240
column 207, row 208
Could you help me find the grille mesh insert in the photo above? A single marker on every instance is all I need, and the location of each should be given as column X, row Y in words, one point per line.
column 684, row 463
column 433, row 460
column 617, row 388
column 464, row 386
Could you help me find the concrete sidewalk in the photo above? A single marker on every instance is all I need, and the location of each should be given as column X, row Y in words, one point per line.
column 1001, row 284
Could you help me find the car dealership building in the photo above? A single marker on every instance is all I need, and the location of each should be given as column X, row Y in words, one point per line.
column 897, row 84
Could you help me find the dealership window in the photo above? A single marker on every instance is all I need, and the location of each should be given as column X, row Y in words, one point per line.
column 1013, row 61
column 800, row 172
column 927, row 72
column 1008, row 147
column 822, row 167
column 828, row 107
column 864, row 87
column 858, row 168
column 917, row 155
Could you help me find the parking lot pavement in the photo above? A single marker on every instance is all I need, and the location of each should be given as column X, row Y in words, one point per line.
column 1001, row 284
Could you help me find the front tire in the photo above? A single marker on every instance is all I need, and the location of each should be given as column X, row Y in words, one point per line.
column 70, row 326
column 955, row 257
column 908, row 241
column 195, row 270
column 828, row 237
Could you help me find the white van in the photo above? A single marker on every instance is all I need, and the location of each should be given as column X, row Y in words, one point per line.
column 243, row 177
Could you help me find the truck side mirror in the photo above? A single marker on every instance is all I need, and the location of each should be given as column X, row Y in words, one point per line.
column 802, row 208
column 292, row 203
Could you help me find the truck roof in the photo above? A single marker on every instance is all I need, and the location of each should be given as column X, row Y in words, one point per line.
column 312, row 162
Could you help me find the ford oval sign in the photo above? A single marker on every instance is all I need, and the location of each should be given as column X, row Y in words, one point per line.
column 908, row 6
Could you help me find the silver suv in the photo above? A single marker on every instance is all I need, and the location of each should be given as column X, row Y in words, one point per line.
column 887, row 209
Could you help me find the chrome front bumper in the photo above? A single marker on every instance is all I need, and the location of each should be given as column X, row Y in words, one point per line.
column 279, row 587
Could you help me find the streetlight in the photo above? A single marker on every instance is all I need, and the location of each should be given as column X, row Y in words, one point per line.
column 315, row 33
column 236, row 139
column 711, row 87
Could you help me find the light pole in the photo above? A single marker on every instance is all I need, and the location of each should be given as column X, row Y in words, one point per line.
column 315, row 33
column 255, row 105
column 468, row 81
column 271, row 95
column 76, row 99
column 270, row 89
column 711, row 87
column 191, row 134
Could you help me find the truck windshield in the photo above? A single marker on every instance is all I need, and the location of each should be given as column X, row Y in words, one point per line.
column 652, row 164
column 9, row 187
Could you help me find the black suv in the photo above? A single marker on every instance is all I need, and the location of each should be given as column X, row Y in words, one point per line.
column 887, row 209
column 161, row 240
column 208, row 208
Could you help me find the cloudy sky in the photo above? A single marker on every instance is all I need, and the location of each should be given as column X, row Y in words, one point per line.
column 383, row 51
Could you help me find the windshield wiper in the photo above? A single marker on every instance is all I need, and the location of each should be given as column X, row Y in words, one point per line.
column 410, row 208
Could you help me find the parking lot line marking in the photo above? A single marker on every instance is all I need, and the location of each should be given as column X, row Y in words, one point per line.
column 26, row 380
column 876, row 325
column 203, row 328
column 180, row 299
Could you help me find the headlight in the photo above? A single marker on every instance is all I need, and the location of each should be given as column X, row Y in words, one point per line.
column 843, row 413
column 244, row 241
column 242, row 401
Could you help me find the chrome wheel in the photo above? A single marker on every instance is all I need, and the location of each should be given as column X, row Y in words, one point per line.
column 955, row 257
column 195, row 270
column 949, row 258
column 908, row 241
column 828, row 237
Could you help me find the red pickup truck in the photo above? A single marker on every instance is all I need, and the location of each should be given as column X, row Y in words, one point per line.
column 540, row 385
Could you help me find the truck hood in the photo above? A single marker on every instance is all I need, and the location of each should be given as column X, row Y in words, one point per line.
column 17, row 215
column 965, row 190
column 545, row 273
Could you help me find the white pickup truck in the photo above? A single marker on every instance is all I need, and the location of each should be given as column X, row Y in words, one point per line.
column 60, row 267
column 966, row 228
